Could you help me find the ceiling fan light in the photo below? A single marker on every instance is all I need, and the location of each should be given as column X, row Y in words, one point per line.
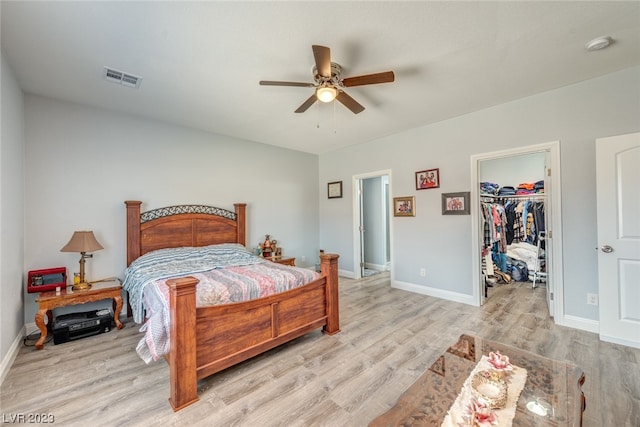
column 326, row 93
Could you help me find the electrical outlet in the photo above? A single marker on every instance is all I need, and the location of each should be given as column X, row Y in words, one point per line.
column 303, row 258
column 423, row 272
column 592, row 299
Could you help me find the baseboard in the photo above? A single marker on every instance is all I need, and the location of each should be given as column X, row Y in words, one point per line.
column 580, row 323
column 378, row 267
column 614, row 340
column 347, row 274
column 30, row 328
column 8, row 360
column 433, row 292
column 594, row 326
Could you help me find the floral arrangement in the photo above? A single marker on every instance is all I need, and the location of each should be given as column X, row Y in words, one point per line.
column 479, row 413
column 485, row 394
column 500, row 362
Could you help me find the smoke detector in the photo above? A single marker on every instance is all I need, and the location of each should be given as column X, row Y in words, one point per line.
column 599, row 43
column 125, row 79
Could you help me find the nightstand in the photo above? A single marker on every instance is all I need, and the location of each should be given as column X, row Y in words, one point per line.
column 284, row 260
column 47, row 301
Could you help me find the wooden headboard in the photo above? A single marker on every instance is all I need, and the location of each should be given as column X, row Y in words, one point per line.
column 184, row 225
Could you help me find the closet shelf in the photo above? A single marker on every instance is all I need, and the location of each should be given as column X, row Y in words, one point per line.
column 533, row 196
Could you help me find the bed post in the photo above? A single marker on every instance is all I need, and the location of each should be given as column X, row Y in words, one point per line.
column 133, row 230
column 241, row 223
column 133, row 238
column 183, row 377
column 329, row 269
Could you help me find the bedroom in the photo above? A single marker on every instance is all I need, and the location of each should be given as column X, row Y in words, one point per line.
column 98, row 162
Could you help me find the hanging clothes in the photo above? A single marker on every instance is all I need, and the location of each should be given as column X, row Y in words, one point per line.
column 518, row 224
column 495, row 223
column 495, row 235
column 534, row 213
column 538, row 218
column 508, row 220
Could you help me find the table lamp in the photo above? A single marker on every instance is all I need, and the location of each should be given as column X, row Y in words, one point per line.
column 83, row 242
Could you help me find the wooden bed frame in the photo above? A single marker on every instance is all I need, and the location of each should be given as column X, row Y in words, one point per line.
column 207, row 340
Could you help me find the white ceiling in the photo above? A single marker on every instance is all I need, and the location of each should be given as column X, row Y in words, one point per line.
column 201, row 61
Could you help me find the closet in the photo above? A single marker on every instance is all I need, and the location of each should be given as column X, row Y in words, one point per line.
column 513, row 221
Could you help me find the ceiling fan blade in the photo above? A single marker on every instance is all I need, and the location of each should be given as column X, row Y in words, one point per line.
column 369, row 79
column 322, row 55
column 350, row 103
column 274, row 83
column 306, row 104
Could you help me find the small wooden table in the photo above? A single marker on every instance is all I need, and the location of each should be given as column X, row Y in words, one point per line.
column 557, row 384
column 47, row 301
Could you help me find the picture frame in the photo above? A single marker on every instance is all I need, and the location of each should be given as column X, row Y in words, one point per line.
column 334, row 190
column 404, row 206
column 428, row 179
column 456, row 203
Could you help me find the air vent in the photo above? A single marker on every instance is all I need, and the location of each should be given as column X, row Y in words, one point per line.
column 116, row 76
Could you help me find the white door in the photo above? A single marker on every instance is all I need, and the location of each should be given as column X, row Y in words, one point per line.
column 548, row 226
column 618, row 186
column 361, row 226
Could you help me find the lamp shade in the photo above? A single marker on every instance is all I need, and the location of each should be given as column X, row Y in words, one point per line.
column 326, row 93
column 82, row 241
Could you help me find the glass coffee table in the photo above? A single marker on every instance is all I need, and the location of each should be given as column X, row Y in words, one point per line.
column 552, row 394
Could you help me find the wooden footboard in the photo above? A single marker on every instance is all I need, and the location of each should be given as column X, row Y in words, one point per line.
column 209, row 339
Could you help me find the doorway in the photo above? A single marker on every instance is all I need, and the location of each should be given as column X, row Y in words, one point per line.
column 372, row 232
column 512, row 188
column 553, row 241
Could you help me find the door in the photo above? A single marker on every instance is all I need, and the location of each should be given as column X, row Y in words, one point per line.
column 548, row 226
column 361, row 226
column 618, row 192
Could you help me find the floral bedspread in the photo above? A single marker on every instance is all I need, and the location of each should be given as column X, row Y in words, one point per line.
column 226, row 273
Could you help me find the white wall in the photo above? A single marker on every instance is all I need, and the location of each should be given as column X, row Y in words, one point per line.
column 11, row 215
column 513, row 170
column 576, row 115
column 84, row 162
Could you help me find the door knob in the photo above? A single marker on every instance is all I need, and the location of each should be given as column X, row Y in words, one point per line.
column 607, row 249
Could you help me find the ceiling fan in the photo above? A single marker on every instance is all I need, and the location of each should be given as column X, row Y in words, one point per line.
column 329, row 84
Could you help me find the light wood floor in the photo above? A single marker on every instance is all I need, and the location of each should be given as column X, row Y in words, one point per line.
column 389, row 338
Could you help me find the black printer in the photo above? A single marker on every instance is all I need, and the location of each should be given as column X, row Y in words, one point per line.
column 73, row 326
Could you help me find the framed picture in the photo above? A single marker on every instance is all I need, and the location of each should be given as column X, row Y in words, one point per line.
column 334, row 190
column 404, row 206
column 427, row 179
column 455, row 203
